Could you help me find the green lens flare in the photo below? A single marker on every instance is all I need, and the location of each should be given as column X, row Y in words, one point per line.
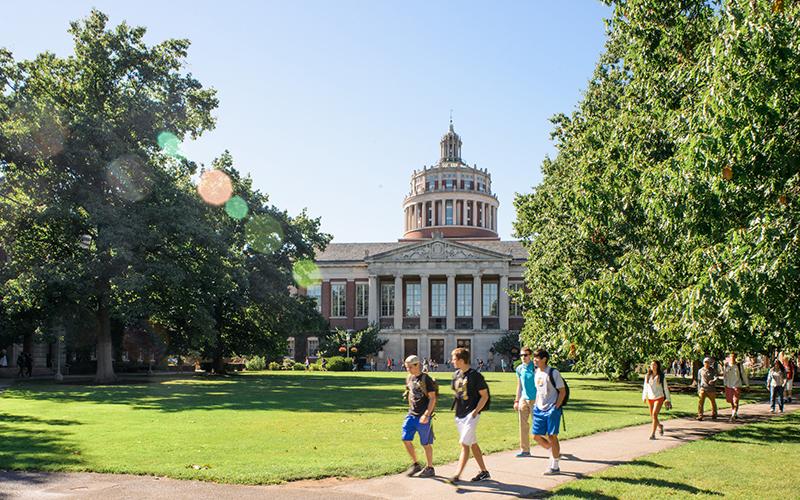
column 306, row 273
column 264, row 234
column 169, row 143
column 236, row 208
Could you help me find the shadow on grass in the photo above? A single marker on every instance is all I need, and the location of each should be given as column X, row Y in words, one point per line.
column 307, row 393
column 24, row 448
column 661, row 483
column 640, row 463
column 574, row 492
column 781, row 430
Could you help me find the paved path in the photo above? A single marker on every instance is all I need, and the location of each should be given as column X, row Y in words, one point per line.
column 511, row 476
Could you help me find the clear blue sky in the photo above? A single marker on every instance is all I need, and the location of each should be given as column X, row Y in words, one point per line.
column 330, row 105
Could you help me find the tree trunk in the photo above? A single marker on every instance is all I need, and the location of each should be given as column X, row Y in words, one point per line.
column 27, row 343
column 218, row 365
column 105, row 351
column 696, row 365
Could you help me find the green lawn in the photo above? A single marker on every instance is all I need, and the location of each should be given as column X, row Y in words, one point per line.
column 267, row 427
column 751, row 461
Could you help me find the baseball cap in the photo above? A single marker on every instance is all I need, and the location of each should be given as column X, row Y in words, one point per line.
column 707, row 360
column 412, row 360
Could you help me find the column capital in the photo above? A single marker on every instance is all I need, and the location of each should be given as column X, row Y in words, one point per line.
column 478, row 274
column 424, row 275
column 450, row 274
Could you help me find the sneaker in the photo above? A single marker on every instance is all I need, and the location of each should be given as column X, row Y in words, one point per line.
column 427, row 472
column 660, row 429
column 415, row 467
column 652, row 437
column 772, row 410
column 713, row 417
column 732, row 419
column 552, row 471
column 453, row 480
column 699, row 418
column 523, row 454
column 482, row 476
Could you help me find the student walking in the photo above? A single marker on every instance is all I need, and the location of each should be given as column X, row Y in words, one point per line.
column 21, row 364
column 550, row 394
column 734, row 376
column 525, row 399
column 776, row 381
column 788, row 365
column 471, row 397
column 707, row 389
column 656, row 393
column 421, row 393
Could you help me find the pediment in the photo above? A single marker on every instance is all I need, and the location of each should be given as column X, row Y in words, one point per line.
column 438, row 250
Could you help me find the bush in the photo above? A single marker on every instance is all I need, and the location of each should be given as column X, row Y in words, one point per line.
column 274, row 366
column 256, row 363
column 339, row 364
column 298, row 367
column 313, row 367
column 288, row 364
column 517, row 363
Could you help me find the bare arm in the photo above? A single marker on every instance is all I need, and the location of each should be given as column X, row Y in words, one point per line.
column 431, row 406
column 481, row 402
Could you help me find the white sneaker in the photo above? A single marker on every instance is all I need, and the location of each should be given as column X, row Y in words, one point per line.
column 552, row 471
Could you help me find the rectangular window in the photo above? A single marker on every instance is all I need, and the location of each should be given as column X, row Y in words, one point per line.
column 448, row 213
column 362, row 300
column 312, row 346
column 429, row 217
column 464, row 300
column 315, row 292
column 439, row 300
column 437, row 350
column 490, row 299
column 464, row 343
column 290, row 347
column 338, row 301
column 387, row 300
column 413, row 299
column 514, row 310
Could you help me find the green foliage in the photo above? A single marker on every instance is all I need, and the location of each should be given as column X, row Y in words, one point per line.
column 274, row 366
column 256, row 363
column 298, row 367
column 339, row 364
column 507, row 345
column 365, row 341
column 667, row 225
column 100, row 223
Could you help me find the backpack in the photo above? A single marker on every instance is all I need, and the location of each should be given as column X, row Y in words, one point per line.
column 553, row 382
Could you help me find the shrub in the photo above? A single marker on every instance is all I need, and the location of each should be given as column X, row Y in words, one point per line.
column 298, row 367
column 256, row 363
column 339, row 364
column 288, row 363
column 517, row 363
column 274, row 366
column 313, row 367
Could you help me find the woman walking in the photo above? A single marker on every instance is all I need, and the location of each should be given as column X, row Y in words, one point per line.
column 776, row 380
column 656, row 393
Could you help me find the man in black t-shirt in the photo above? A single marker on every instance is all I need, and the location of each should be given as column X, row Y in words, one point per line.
column 421, row 393
column 471, row 396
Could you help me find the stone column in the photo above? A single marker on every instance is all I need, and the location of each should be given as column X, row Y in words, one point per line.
column 502, row 302
column 373, row 314
column 398, row 301
column 424, row 313
column 451, row 301
column 477, row 312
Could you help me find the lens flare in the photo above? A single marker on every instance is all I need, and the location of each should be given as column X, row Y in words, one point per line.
column 215, row 187
column 306, row 273
column 40, row 133
column 236, row 208
column 264, row 234
column 169, row 144
column 127, row 177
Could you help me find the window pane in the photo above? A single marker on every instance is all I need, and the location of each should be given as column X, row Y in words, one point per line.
column 439, row 300
column 338, row 300
column 448, row 213
column 315, row 292
column 490, row 299
column 413, row 299
column 362, row 299
column 387, row 300
column 464, row 300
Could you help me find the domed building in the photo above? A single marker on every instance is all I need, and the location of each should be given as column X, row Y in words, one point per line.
column 443, row 284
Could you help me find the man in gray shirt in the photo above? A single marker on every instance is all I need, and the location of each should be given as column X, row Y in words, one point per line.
column 707, row 388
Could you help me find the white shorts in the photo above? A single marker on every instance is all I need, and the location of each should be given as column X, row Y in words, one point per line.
column 468, row 429
column 789, row 384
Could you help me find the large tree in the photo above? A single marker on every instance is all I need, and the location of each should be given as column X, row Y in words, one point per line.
column 96, row 201
column 667, row 224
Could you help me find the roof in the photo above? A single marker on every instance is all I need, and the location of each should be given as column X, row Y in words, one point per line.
column 355, row 252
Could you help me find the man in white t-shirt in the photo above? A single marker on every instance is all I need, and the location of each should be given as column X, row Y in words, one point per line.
column 550, row 393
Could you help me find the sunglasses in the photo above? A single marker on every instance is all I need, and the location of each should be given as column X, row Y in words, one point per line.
column 525, row 355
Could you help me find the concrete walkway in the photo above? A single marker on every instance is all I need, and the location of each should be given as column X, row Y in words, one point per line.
column 511, row 476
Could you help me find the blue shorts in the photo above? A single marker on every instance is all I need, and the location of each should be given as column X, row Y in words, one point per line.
column 546, row 422
column 412, row 426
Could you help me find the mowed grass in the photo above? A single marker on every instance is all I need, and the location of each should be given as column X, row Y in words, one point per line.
column 752, row 461
column 268, row 427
